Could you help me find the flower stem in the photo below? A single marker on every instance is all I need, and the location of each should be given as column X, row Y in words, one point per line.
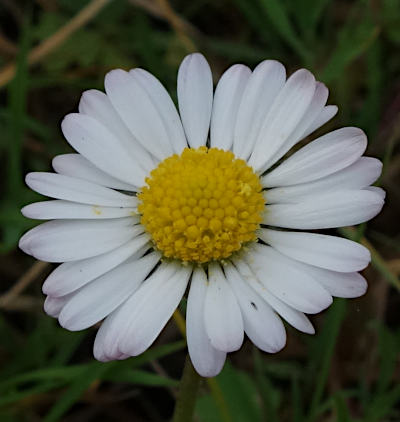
column 188, row 388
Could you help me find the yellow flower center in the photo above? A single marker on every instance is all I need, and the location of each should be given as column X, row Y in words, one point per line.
column 202, row 205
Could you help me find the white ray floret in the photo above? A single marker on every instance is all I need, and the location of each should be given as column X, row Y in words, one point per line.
column 70, row 276
column 77, row 190
column 330, row 252
column 264, row 84
column 222, row 315
column 294, row 317
column 97, row 299
column 165, row 106
column 60, row 209
column 195, row 98
column 227, row 98
column 261, row 324
column 97, row 104
column 207, row 360
column 76, row 165
column 358, row 175
column 138, row 112
column 284, row 115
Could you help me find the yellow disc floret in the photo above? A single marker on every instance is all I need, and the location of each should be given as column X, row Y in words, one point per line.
column 202, row 205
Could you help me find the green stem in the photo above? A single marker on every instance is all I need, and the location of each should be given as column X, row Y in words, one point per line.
column 188, row 388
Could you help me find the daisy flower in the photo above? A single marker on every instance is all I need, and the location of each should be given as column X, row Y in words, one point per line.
column 155, row 203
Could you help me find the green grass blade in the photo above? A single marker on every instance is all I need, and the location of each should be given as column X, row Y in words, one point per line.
column 16, row 396
column 383, row 406
column 17, row 94
column 340, row 406
column 297, row 402
column 389, row 349
column 65, row 373
column 353, row 41
column 240, row 395
column 79, row 385
column 139, row 377
column 371, row 111
column 277, row 13
column 270, row 397
column 325, row 348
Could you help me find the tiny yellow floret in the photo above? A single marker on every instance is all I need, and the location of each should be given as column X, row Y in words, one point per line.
column 202, row 205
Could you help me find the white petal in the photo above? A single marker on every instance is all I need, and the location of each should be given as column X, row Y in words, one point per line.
column 47, row 210
column 222, row 316
column 54, row 305
column 52, row 226
column 263, row 86
column 70, row 276
column 138, row 111
column 377, row 190
column 195, row 98
column 151, row 307
column 284, row 115
column 330, row 252
column 326, row 155
column 261, row 324
column 228, row 95
column 100, row 344
column 77, row 190
column 70, row 240
column 294, row 317
column 326, row 114
column 338, row 284
column 95, row 142
column 348, row 285
column 165, row 107
column 336, row 209
column 116, row 326
column 287, row 280
column 317, row 104
column 96, row 104
column 207, row 360
column 97, row 299
column 77, row 166
column 358, row 175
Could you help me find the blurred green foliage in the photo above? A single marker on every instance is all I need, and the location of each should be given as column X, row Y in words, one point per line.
column 352, row 46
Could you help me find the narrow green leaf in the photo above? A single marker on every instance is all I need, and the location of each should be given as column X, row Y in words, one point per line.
column 389, row 350
column 240, row 394
column 139, row 377
column 15, row 396
column 297, row 402
column 251, row 12
column 78, row 386
column 382, row 406
column 270, row 397
column 276, row 11
column 370, row 113
column 65, row 373
column 17, row 93
column 324, row 349
column 354, row 40
column 342, row 411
